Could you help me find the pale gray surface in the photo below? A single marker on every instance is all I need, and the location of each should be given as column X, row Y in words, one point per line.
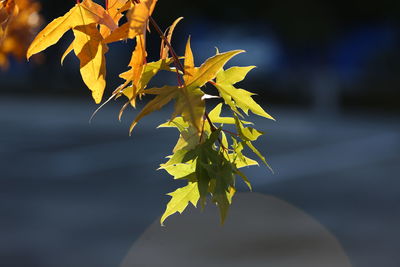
column 261, row 231
column 74, row 194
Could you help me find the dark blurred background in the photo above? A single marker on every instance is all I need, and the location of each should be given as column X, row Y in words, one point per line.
column 79, row 194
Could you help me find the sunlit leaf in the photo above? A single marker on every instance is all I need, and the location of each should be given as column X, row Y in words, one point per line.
column 90, row 50
column 69, row 49
column 204, row 156
column 180, row 200
column 84, row 13
column 164, row 47
column 238, row 97
column 137, row 65
column 215, row 117
column 137, row 17
column 163, row 96
column 191, row 106
column 189, row 67
column 209, row 69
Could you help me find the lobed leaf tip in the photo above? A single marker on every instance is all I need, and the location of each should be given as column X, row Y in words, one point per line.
column 131, row 127
column 271, row 118
column 28, row 54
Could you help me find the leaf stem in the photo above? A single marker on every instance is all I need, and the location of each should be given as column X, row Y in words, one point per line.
column 213, row 128
column 171, row 49
column 229, row 132
column 177, row 62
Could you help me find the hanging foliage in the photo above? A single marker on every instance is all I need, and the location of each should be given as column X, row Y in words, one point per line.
column 207, row 156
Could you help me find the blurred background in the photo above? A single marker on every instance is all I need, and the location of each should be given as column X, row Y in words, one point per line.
column 80, row 194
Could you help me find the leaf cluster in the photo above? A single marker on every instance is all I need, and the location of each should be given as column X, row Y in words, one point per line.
column 206, row 155
column 19, row 20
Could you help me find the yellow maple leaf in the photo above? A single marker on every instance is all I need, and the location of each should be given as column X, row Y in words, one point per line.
column 163, row 96
column 138, row 17
column 88, row 45
column 137, row 65
column 189, row 67
column 114, row 9
column 84, row 13
column 90, row 50
column 164, row 47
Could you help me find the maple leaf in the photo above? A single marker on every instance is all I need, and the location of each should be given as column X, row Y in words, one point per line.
column 69, row 49
column 180, row 200
column 191, row 103
column 215, row 174
column 137, row 65
column 138, row 17
column 88, row 43
column 238, row 158
column 248, row 134
column 140, row 82
column 210, row 68
column 141, row 72
column 115, row 9
column 188, row 135
column 148, row 71
column 189, row 100
column 215, row 116
column 182, row 170
column 188, row 139
column 163, row 96
column 238, row 97
column 203, row 155
column 84, row 13
column 164, row 49
column 189, row 67
column 90, row 50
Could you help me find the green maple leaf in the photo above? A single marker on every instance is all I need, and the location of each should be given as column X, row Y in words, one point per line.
column 248, row 134
column 238, row 98
column 210, row 68
column 223, row 178
column 180, row 200
column 238, row 158
column 190, row 102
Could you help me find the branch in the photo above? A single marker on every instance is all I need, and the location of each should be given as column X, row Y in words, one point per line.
column 171, row 49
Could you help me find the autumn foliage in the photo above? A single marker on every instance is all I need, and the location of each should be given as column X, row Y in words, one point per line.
column 19, row 22
column 207, row 156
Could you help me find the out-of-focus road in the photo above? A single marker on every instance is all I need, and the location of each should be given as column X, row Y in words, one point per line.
column 79, row 194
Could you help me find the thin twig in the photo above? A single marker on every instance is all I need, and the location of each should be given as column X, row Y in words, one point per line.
column 229, row 132
column 213, row 128
column 171, row 49
column 177, row 62
column 181, row 67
